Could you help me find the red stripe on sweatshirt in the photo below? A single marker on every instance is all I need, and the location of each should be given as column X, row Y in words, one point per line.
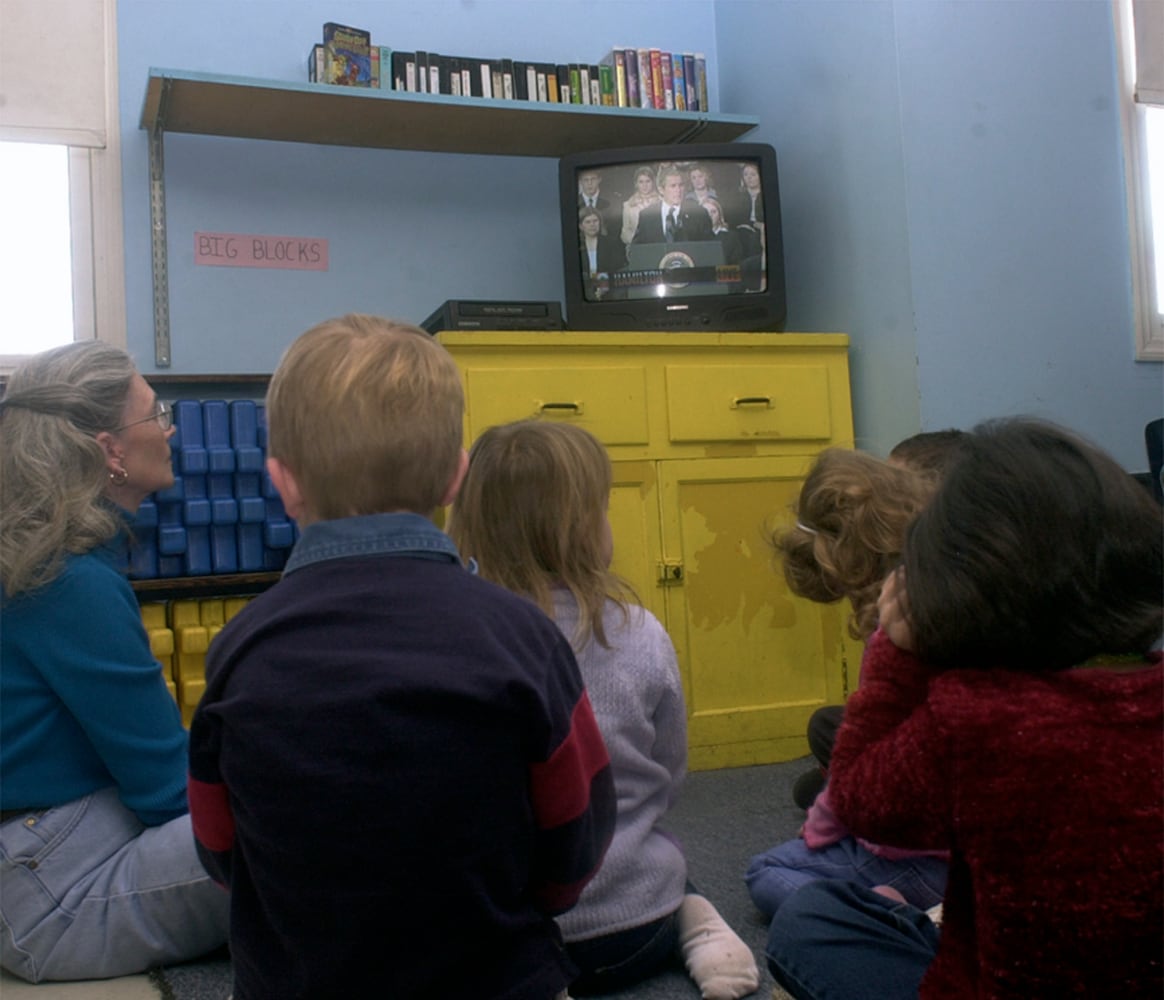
column 561, row 785
column 210, row 814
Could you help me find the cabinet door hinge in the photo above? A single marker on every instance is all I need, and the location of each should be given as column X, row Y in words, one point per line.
column 670, row 574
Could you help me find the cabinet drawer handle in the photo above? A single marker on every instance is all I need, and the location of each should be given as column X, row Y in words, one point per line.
column 574, row 408
column 739, row 401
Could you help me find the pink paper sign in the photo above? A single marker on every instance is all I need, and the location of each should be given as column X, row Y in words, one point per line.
column 291, row 253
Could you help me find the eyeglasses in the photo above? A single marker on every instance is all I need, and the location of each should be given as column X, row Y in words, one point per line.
column 164, row 415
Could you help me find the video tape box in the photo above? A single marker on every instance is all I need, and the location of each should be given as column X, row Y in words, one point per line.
column 462, row 314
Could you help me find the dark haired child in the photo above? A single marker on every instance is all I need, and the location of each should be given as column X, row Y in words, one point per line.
column 1011, row 710
column 532, row 512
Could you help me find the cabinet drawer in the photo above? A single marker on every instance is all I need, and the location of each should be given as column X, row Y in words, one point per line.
column 610, row 402
column 748, row 402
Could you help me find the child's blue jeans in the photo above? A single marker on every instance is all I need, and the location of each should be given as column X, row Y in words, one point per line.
column 777, row 873
column 835, row 940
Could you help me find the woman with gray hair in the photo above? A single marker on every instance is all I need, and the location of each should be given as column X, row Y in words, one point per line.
column 98, row 871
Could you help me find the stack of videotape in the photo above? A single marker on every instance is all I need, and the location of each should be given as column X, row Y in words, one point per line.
column 462, row 314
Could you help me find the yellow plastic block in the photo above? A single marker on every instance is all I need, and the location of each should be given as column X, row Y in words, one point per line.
column 211, row 612
column 233, row 605
column 185, row 613
column 191, row 639
column 161, row 643
column 153, row 615
column 191, row 691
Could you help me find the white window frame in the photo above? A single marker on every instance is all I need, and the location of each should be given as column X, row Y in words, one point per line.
column 95, row 216
column 1149, row 327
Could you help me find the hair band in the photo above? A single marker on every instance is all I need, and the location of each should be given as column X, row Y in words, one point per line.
column 805, row 528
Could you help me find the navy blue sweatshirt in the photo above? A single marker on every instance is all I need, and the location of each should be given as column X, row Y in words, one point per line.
column 396, row 770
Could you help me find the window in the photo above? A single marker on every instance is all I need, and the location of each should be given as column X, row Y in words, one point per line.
column 1140, row 55
column 36, row 255
column 62, row 259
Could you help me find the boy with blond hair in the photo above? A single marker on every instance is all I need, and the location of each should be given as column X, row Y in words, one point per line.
column 395, row 767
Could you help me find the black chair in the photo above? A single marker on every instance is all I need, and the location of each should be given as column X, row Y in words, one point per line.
column 1154, row 441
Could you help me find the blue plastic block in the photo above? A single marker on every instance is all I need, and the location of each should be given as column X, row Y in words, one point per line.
column 194, row 488
column 143, row 550
column 249, row 459
column 269, row 487
column 248, row 484
column 171, row 566
column 194, row 461
column 250, row 547
column 224, row 548
column 275, row 559
column 146, row 516
column 171, row 493
column 220, row 460
column 278, row 535
column 219, row 486
column 252, row 510
column 244, row 435
column 192, row 457
column 216, row 427
column 196, row 513
column 198, row 562
column 244, row 424
column 172, row 541
column 224, row 511
column 171, row 533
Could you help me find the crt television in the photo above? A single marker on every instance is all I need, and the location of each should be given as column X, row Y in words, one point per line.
column 681, row 237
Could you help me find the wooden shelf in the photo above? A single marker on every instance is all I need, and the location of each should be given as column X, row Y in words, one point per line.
column 242, row 107
column 223, row 585
column 167, row 378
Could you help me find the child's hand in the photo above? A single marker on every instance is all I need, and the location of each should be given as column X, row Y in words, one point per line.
column 893, row 608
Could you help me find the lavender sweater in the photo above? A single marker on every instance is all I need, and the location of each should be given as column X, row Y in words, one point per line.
column 637, row 698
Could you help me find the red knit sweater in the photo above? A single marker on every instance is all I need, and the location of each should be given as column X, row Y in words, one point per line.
column 1047, row 788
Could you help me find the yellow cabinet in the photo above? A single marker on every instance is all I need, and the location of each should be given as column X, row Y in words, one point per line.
column 710, row 436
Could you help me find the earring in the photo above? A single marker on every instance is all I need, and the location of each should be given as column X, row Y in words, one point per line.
column 119, row 477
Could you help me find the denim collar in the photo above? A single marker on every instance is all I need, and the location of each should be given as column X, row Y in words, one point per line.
column 371, row 534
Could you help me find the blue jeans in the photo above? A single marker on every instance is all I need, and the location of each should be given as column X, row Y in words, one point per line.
column 835, row 940
column 777, row 873
column 87, row 892
column 618, row 961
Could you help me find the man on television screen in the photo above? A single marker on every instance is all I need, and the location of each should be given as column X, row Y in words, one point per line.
column 672, row 221
column 590, row 196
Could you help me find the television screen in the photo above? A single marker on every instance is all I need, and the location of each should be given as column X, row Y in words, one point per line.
column 683, row 237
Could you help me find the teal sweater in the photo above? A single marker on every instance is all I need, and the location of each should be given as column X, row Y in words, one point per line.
column 83, row 705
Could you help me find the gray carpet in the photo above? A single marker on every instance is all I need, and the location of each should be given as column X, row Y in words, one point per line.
column 722, row 819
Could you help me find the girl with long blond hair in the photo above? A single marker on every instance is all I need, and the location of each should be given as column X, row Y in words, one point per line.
column 533, row 514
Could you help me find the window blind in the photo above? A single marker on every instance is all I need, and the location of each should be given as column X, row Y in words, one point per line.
column 53, row 70
column 1148, row 16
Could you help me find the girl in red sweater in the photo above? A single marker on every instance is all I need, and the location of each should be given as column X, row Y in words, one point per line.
column 1011, row 711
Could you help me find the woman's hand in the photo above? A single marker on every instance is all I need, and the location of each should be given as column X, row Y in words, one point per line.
column 893, row 610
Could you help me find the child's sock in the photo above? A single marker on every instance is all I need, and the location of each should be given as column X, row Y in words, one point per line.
column 722, row 966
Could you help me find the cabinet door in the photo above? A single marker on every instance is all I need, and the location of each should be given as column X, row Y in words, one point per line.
column 634, row 523
column 756, row 660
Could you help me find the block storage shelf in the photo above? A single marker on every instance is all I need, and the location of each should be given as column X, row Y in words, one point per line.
column 219, row 585
column 169, row 387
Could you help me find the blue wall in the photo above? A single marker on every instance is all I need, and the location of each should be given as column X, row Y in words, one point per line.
column 406, row 230
column 951, row 181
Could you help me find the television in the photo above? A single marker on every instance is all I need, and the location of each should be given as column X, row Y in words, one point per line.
column 673, row 238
